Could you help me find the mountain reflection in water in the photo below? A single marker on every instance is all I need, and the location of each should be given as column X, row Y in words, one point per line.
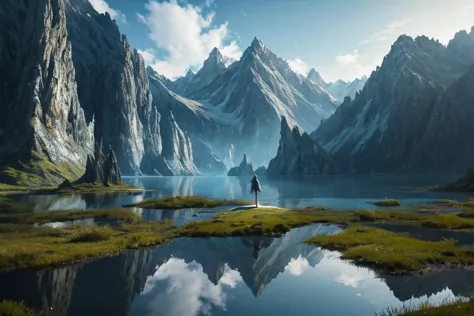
column 231, row 276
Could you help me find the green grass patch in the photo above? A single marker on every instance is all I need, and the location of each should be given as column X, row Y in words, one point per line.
column 394, row 253
column 8, row 206
column 91, row 234
column 96, row 188
column 389, row 216
column 457, row 307
column 448, row 221
column 39, row 172
column 177, row 202
column 261, row 221
column 387, row 203
column 23, row 246
column 10, row 308
column 65, row 216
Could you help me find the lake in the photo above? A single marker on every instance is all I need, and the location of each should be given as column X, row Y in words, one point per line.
column 228, row 276
column 339, row 191
column 237, row 275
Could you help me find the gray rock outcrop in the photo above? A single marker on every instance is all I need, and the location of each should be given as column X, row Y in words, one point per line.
column 244, row 169
column 299, row 154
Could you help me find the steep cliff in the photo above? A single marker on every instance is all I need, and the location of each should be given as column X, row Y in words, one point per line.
column 38, row 95
column 299, row 154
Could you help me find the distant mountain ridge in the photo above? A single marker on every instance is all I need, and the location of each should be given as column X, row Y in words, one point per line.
column 396, row 122
column 340, row 88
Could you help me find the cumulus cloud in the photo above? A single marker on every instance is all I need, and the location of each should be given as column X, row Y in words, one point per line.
column 297, row 266
column 183, row 289
column 298, row 66
column 186, row 35
column 102, row 6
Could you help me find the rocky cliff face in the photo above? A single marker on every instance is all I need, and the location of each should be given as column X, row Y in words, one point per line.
column 383, row 128
column 38, row 94
column 113, row 86
column 245, row 168
column 197, row 131
column 299, row 154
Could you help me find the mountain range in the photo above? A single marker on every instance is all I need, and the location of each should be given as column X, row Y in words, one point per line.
column 70, row 80
column 413, row 114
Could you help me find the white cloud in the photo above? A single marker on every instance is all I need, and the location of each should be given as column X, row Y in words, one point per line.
column 186, row 35
column 298, row 66
column 148, row 55
column 297, row 266
column 102, row 6
column 183, row 289
column 386, row 30
column 350, row 66
column 469, row 6
column 348, row 59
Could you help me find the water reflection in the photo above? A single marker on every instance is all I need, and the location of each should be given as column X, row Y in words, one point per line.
column 231, row 276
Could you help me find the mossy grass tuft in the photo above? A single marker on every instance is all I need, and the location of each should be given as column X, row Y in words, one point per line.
column 177, row 202
column 10, row 308
column 456, row 307
column 394, row 253
column 91, row 234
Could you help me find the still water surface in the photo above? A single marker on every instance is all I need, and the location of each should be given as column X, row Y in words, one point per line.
column 340, row 192
column 228, row 276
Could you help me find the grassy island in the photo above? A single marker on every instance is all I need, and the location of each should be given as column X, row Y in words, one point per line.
column 394, row 253
column 177, row 202
column 10, row 308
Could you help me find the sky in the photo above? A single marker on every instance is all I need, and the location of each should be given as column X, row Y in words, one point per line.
column 342, row 39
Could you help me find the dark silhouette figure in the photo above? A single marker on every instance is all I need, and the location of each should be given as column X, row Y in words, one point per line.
column 255, row 188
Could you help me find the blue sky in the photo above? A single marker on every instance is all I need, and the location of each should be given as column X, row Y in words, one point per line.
column 342, row 39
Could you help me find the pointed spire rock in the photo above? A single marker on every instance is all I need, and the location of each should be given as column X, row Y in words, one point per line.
column 112, row 173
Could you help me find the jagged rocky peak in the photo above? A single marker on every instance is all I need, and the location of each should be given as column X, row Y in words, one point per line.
column 299, row 154
column 189, row 74
column 214, row 63
column 314, row 76
column 245, row 168
column 101, row 169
